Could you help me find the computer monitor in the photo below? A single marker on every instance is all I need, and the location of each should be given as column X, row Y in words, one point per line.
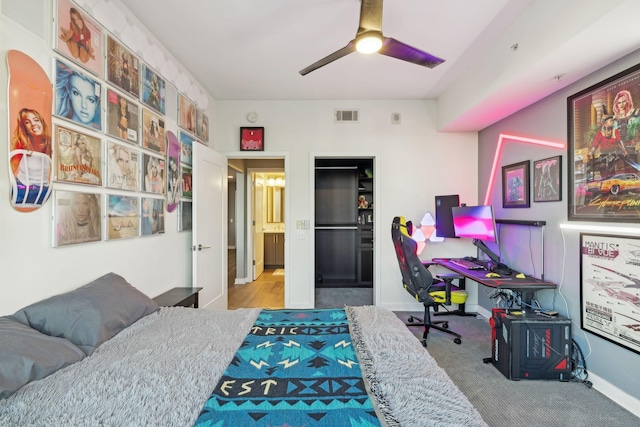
column 444, row 218
column 477, row 223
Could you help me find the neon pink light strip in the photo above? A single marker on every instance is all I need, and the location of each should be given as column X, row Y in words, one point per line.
column 496, row 157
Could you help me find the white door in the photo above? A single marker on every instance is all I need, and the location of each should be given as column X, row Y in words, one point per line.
column 210, row 266
column 258, row 226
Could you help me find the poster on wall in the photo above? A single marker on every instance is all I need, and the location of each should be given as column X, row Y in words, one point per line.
column 78, row 96
column 77, row 218
column 187, row 114
column 122, row 67
column 610, row 288
column 123, row 216
column 186, row 147
column 184, row 223
column 78, row 37
column 153, row 169
column 152, row 89
column 122, row 166
column 78, row 157
column 202, row 126
column 187, row 176
column 152, row 219
column 604, row 150
column 153, row 137
column 122, row 117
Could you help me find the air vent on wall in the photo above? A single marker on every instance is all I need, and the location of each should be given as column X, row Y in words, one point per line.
column 346, row 116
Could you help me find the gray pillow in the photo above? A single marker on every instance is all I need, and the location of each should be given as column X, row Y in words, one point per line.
column 27, row 355
column 91, row 314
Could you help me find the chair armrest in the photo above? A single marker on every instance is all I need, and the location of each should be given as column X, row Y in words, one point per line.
column 447, row 278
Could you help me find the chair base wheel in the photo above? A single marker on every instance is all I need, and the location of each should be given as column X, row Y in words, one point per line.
column 424, row 343
column 457, row 341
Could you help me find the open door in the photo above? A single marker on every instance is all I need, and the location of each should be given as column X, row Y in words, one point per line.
column 210, row 265
column 257, row 214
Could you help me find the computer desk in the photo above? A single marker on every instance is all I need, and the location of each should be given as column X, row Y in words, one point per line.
column 526, row 287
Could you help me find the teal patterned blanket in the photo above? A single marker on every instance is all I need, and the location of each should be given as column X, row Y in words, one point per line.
column 295, row 368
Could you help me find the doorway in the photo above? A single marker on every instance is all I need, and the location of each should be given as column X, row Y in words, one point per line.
column 344, row 231
column 257, row 222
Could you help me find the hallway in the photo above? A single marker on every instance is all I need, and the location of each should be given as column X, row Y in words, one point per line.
column 266, row 292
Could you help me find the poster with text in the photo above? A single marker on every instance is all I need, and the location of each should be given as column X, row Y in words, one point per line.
column 78, row 157
column 610, row 288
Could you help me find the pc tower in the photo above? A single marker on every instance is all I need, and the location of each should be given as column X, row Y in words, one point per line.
column 526, row 345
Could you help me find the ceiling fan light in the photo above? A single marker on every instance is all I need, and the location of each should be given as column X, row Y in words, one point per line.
column 369, row 43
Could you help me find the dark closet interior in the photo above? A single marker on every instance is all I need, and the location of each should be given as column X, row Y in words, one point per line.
column 344, row 223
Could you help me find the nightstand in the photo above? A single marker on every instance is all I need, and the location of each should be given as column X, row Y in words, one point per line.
column 179, row 297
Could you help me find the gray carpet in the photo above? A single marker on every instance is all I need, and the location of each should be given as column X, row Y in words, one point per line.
column 339, row 297
column 504, row 402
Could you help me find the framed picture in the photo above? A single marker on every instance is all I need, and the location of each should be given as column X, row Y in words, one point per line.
column 515, row 185
column 153, row 137
column 78, row 96
column 186, row 147
column 154, row 170
column 604, row 150
column 152, row 218
column 187, row 114
column 152, row 90
column 78, row 157
column 202, row 126
column 547, row 179
column 122, row 67
column 78, row 37
column 122, row 117
column 609, row 288
column 123, row 216
column 185, row 216
column 122, row 166
column 77, row 218
column 187, row 182
column 252, row 139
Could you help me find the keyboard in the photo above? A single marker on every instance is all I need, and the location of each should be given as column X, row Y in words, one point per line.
column 469, row 265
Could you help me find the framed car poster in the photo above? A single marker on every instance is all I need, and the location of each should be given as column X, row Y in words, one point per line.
column 610, row 288
column 603, row 150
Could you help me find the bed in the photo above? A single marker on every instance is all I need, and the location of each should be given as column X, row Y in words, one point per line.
column 105, row 354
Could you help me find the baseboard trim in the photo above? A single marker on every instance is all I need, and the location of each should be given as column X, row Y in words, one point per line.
column 621, row 397
column 240, row 281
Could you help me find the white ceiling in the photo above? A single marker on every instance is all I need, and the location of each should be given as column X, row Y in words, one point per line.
column 254, row 49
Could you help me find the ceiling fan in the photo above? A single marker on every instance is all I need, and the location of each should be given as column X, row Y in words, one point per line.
column 369, row 39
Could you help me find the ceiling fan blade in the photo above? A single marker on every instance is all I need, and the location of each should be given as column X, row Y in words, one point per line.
column 351, row 47
column 397, row 49
column 370, row 16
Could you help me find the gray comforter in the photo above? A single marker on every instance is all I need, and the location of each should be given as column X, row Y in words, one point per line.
column 161, row 370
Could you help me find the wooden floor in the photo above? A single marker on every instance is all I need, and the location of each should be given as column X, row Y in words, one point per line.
column 265, row 292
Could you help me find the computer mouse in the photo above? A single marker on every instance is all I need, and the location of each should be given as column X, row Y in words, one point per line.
column 492, row 275
column 520, row 276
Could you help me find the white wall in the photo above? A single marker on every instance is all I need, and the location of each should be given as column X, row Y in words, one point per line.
column 31, row 268
column 414, row 163
column 608, row 363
